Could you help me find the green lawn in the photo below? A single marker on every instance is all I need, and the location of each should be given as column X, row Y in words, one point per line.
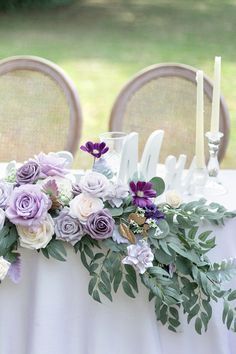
column 101, row 44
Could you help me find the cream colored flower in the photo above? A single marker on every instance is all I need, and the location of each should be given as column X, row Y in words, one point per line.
column 2, row 218
column 38, row 237
column 173, row 198
column 4, row 266
column 82, row 206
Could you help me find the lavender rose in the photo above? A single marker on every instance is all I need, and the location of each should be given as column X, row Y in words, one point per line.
column 5, row 192
column 94, row 184
column 68, row 228
column 140, row 256
column 28, row 173
column 51, row 165
column 100, row 225
column 28, row 206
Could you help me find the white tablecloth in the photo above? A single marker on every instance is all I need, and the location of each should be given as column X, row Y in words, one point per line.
column 50, row 311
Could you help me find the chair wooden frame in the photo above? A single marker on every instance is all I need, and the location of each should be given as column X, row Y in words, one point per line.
column 167, row 70
column 44, row 66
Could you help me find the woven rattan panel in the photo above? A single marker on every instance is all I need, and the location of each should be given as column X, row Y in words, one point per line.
column 34, row 115
column 167, row 103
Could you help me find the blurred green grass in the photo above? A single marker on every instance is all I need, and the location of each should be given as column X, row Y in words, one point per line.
column 102, row 43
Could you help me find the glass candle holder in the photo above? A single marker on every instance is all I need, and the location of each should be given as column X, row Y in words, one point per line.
column 115, row 141
column 214, row 186
column 198, row 183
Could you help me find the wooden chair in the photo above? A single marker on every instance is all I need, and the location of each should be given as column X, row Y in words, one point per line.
column 164, row 97
column 39, row 109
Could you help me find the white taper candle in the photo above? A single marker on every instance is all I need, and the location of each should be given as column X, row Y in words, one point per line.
column 200, row 157
column 215, row 111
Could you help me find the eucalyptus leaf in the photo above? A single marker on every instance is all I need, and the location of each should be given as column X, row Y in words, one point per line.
column 158, row 185
column 117, row 281
column 127, row 289
column 198, row 325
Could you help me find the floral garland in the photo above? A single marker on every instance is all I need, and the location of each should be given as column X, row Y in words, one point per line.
column 121, row 231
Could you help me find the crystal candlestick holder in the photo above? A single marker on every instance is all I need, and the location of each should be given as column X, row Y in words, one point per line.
column 213, row 185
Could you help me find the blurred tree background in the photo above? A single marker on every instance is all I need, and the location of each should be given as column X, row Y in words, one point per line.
column 102, row 43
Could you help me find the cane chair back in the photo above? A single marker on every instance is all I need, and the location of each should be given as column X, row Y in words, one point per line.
column 39, row 109
column 164, row 97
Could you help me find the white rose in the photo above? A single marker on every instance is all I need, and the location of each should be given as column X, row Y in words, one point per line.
column 36, row 238
column 82, row 206
column 2, row 218
column 4, row 266
column 173, row 198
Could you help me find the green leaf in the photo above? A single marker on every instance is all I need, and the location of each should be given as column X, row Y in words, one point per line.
column 84, row 260
column 184, row 222
column 225, row 311
column 93, row 267
column 230, row 318
column 158, row 271
column 91, row 285
column 45, row 252
column 193, row 312
column 98, row 256
column 96, row 296
column 163, row 314
column 232, row 296
column 127, row 289
column 77, row 246
column 158, row 185
column 163, row 244
column 129, row 209
column 115, row 212
column 102, row 287
column 112, row 245
column 205, row 319
column 88, row 251
column 192, row 232
column 198, row 325
column 56, row 250
column 131, row 277
column 204, row 235
column 132, row 281
column 175, row 323
column 164, row 227
column 183, row 265
column 162, row 257
column 117, row 280
column 171, row 328
column 224, row 271
column 106, row 280
column 8, row 236
column 174, row 312
column 207, row 308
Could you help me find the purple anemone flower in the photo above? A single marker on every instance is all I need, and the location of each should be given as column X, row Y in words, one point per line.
column 95, row 149
column 141, row 193
column 152, row 212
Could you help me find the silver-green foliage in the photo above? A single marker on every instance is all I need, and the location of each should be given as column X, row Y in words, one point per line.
column 182, row 276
